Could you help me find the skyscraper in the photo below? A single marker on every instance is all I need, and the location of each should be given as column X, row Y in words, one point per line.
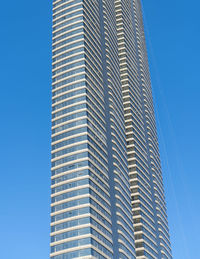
column 107, row 196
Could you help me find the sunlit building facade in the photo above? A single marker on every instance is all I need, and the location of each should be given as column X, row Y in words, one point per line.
column 106, row 176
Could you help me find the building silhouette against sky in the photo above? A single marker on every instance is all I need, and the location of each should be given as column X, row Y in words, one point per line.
column 107, row 196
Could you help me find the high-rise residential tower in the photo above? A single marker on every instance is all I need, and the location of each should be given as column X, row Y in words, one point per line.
column 107, row 196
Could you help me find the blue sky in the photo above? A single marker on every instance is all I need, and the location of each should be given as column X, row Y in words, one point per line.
column 172, row 30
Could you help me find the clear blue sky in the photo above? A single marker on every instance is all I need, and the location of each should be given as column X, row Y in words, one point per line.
column 172, row 29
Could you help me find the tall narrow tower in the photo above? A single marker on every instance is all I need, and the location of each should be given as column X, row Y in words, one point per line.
column 106, row 176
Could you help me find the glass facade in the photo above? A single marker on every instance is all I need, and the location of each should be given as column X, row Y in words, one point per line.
column 104, row 146
column 147, row 194
column 91, row 214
